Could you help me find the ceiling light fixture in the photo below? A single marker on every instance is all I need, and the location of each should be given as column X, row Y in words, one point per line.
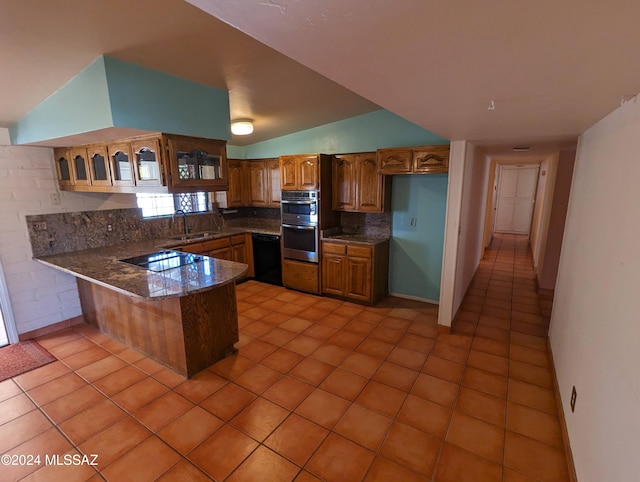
column 242, row 127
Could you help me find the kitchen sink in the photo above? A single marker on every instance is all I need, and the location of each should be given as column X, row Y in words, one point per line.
column 191, row 237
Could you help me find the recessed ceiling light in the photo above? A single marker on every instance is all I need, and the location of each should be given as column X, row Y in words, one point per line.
column 520, row 148
column 242, row 127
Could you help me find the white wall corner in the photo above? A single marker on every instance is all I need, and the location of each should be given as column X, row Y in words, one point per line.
column 5, row 138
column 457, row 157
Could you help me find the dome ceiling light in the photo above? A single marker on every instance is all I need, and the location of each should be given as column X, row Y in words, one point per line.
column 242, row 127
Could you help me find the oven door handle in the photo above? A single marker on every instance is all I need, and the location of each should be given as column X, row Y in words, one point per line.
column 284, row 201
column 295, row 226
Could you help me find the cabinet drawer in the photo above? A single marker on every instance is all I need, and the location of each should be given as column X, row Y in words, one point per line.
column 359, row 251
column 334, row 248
column 238, row 239
column 214, row 244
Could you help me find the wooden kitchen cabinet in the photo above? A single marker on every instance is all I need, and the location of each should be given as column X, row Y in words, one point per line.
column 63, row 167
column 162, row 163
column 253, row 182
column 414, row 160
column 235, row 195
column 147, row 162
column 121, row 164
column 355, row 272
column 99, row 165
column 237, row 247
column 196, row 163
column 80, row 166
column 273, row 184
column 357, row 184
column 299, row 172
column 257, row 183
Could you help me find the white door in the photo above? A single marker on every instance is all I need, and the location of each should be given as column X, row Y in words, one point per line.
column 516, row 196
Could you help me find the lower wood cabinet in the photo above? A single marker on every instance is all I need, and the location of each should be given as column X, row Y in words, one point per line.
column 238, row 248
column 356, row 272
column 302, row 276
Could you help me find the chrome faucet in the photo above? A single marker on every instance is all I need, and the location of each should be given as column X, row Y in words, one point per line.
column 184, row 217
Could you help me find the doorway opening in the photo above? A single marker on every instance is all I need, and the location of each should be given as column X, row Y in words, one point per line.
column 8, row 332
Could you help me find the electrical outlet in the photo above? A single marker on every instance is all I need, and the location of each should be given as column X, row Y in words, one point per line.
column 413, row 222
column 109, row 228
column 574, row 395
column 40, row 226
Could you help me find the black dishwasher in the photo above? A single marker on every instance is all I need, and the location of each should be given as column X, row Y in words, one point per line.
column 266, row 258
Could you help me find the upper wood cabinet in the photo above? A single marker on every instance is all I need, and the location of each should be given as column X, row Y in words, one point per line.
column 149, row 163
column 235, row 195
column 273, row 183
column 420, row 160
column 299, row 173
column 257, row 183
column 80, row 166
column 357, row 185
column 196, row 163
column 252, row 183
column 63, row 166
column 121, row 163
column 99, row 165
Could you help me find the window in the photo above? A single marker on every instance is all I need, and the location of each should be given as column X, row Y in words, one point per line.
column 153, row 205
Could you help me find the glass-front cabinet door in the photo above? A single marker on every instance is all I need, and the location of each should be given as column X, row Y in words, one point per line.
column 80, row 166
column 98, row 165
column 197, row 163
column 63, row 166
column 121, row 164
column 147, row 162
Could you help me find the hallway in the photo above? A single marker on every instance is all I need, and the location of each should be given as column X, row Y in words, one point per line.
column 320, row 390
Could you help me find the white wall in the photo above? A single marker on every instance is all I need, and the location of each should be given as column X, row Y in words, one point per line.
column 39, row 295
column 472, row 217
column 548, row 268
column 544, row 201
column 595, row 325
column 457, row 160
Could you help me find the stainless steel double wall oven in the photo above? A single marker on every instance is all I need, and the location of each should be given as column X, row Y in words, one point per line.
column 300, row 236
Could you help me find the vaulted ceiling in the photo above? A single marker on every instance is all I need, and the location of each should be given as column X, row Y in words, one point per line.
column 548, row 69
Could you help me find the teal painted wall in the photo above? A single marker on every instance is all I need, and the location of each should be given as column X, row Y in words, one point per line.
column 81, row 105
column 366, row 132
column 111, row 92
column 142, row 98
column 235, row 152
column 415, row 259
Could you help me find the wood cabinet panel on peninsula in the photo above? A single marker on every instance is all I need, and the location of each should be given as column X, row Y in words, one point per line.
column 355, row 271
column 149, row 163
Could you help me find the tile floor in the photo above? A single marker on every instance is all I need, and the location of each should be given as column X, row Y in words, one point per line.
column 320, row 390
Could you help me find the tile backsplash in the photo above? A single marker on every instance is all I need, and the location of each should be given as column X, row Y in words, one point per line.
column 369, row 224
column 64, row 232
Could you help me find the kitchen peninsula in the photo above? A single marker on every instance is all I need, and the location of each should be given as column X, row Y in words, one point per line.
column 184, row 317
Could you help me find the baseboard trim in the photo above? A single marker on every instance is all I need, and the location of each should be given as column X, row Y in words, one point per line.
column 46, row 330
column 414, row 298
column 563, row 423
column 444, row 329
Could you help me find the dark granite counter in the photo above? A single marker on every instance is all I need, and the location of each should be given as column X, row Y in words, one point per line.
column 103, row 266
column 355, row 239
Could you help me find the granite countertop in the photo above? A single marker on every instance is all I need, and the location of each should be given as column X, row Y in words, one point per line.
column 355, row 239
column 224, row 232
column 103, row 266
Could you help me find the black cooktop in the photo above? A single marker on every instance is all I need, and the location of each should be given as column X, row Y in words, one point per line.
column 163, row 260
